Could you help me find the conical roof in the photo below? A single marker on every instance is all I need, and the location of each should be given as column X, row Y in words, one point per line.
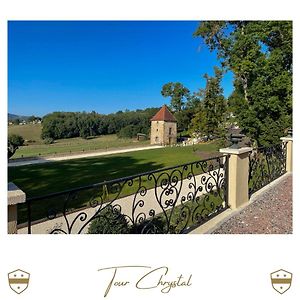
column 164, row 115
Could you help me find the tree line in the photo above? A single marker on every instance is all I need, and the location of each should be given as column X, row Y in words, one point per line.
column 59, row 125
column 259, row 54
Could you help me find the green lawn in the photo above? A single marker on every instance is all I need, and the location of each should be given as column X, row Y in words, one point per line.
column 36, row 180
column 32, row 132
column 43, row 179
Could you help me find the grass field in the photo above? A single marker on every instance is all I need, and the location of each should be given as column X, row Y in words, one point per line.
column 43, row 179
column 36, row 180
column 28, row 132
column 65, row 146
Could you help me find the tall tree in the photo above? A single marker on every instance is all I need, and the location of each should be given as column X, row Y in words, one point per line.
column 210, row 116
column 178, row 94
column 259, row 53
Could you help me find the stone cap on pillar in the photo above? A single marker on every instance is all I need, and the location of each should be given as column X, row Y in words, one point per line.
column 235, row 151
column 15, row 195
column 286, row 139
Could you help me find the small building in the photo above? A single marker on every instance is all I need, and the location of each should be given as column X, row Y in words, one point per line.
column 141, row 136
column 163, row 128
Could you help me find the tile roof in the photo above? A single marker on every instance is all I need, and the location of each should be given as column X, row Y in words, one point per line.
column 164, row 115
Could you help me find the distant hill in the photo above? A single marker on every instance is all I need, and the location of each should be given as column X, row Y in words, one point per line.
column 14, row 117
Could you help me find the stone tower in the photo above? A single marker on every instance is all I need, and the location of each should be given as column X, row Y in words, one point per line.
column 163, row 128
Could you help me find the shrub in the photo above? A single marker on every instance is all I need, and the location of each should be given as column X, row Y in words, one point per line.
column 14, row 142
column 113, row 222
column 150, row 226
column 128, row 131
column 110, row 221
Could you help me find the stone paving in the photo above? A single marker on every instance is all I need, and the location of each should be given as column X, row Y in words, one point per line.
column 270, row 212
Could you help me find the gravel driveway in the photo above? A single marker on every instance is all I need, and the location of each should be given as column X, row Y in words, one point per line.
column 270, row 212
column 25, row 162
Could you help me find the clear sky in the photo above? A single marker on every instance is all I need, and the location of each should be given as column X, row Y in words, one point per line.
column 103, row 66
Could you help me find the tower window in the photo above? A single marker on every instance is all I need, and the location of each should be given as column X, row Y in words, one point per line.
column 170, row 130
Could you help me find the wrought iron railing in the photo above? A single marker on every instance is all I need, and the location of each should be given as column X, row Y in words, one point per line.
column 169, row 200
column 265, row 165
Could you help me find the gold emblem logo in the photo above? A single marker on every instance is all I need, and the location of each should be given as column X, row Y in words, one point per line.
column 18, row 280
column 281, row 280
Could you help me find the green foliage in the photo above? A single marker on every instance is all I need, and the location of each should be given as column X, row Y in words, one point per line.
column 183, row 103
column 259, row 53
column 59, row 125
column 110, row 221
column 209, row 119
column 184, row 119
column 177, row 92
column 153, row 225
column 131, row 131
column 33, row 118
column 14, row 142
column 113, row 222
column 127, row 132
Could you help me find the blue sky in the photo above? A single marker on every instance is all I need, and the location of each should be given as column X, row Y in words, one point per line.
column 103, row 66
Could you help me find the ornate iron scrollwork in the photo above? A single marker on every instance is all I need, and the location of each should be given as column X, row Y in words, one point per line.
column 169, row 200
column 265, row 165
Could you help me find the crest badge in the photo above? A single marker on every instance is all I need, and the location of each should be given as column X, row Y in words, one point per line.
column 18, row 280
column 281, row 280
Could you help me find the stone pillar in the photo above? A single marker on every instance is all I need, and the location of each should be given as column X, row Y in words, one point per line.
column 15, row 196
column 289, row 153
column 238, row 172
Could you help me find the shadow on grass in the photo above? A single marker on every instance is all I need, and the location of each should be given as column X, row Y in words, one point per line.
column 36, row 180
column 44, row 179
column 40, row 180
